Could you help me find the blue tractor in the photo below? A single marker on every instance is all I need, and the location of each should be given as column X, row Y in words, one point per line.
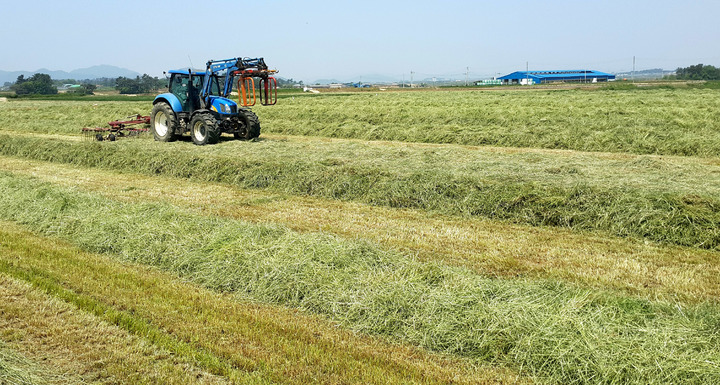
column 197, row 102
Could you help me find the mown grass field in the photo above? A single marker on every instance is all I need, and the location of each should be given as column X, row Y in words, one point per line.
column 526, row 236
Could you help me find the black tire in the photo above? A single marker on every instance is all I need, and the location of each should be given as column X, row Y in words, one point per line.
column 163, row 123
column 249, row 125
column 203, row 129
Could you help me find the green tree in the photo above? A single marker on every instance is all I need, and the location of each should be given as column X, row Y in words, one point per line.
column 127, row 85
column 698, row 72
column 287, row 83
column 40, row 84
column 89, row 88
column 139, row 85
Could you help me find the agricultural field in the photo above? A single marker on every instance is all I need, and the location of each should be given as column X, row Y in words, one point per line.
column 426, row 237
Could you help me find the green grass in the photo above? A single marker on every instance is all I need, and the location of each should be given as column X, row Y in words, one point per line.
column 552, row 331
column 128, row 321
column 656, row 121
column 174, row 328
column 625, row 195
column 680, row 274
column 646, row 120
column 66, row 117
column 18, row 370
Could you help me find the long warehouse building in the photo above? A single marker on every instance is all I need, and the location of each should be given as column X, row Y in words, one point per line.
column 538, row 77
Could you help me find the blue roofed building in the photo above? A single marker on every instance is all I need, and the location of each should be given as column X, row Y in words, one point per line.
column 539, row 77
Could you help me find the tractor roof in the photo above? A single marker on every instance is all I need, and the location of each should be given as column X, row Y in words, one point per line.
column 185, row 72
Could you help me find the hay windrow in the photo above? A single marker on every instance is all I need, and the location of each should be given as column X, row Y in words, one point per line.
column 17, row 369
column 553, row 331
column 489, row 247
column 681, row 121
column 659, row 121
column 644, row 206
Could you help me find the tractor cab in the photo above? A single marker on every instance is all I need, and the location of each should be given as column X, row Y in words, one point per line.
column 186, row 86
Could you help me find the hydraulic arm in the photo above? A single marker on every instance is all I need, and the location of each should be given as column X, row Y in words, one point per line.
column 245, row 70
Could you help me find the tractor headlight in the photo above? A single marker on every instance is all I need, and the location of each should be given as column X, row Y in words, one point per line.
column 225, row 108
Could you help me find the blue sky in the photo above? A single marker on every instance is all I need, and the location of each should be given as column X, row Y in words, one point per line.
column 310, row 40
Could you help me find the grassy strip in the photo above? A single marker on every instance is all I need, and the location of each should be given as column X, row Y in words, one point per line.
column 249, row 343
column 658, row 121
column 124, row 320
column 549, row 330
column 653, row 121
column 18, row 370
column 68, row 341
column 409, row 178
column 56, row 117
column 487, row 247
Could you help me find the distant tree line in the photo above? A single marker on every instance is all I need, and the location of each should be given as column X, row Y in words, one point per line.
column 100, row 82
column 288, row 83
column 139, row 85
column 698, row 72
column 42, row 84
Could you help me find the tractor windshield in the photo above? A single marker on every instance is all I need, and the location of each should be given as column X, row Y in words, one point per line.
column 217, row 85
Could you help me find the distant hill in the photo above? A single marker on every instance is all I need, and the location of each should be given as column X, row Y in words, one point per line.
column 652, row 73
column 94, row 72
column 326, row 81
column 366, row 78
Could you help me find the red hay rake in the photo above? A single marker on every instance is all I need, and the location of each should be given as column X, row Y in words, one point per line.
column 119, row 129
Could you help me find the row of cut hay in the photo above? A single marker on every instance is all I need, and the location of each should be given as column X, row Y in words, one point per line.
column 73, row 339
column 663, row 213
column 658, row 121
column 552, row 331
column 16, row 369
column 133, row 324
column 66, row 117
column 680, row 274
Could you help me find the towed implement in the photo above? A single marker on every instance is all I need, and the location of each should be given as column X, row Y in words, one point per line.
column 197, row 101
column 134, row 126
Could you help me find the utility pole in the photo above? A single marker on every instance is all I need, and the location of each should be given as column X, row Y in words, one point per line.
column 411, row 79
column 633, row 72
column 467, row 72
column 527, row 73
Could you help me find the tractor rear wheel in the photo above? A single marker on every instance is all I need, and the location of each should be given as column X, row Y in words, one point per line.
column 203, row 129
column 250, row 121
column 163, row 122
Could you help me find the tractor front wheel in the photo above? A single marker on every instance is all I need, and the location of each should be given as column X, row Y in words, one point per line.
column 203, row 129
column 163, row 122
column 250, row 121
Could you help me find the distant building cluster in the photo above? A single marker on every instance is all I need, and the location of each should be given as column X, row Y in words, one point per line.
column 540, row 77
column 518, row 77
